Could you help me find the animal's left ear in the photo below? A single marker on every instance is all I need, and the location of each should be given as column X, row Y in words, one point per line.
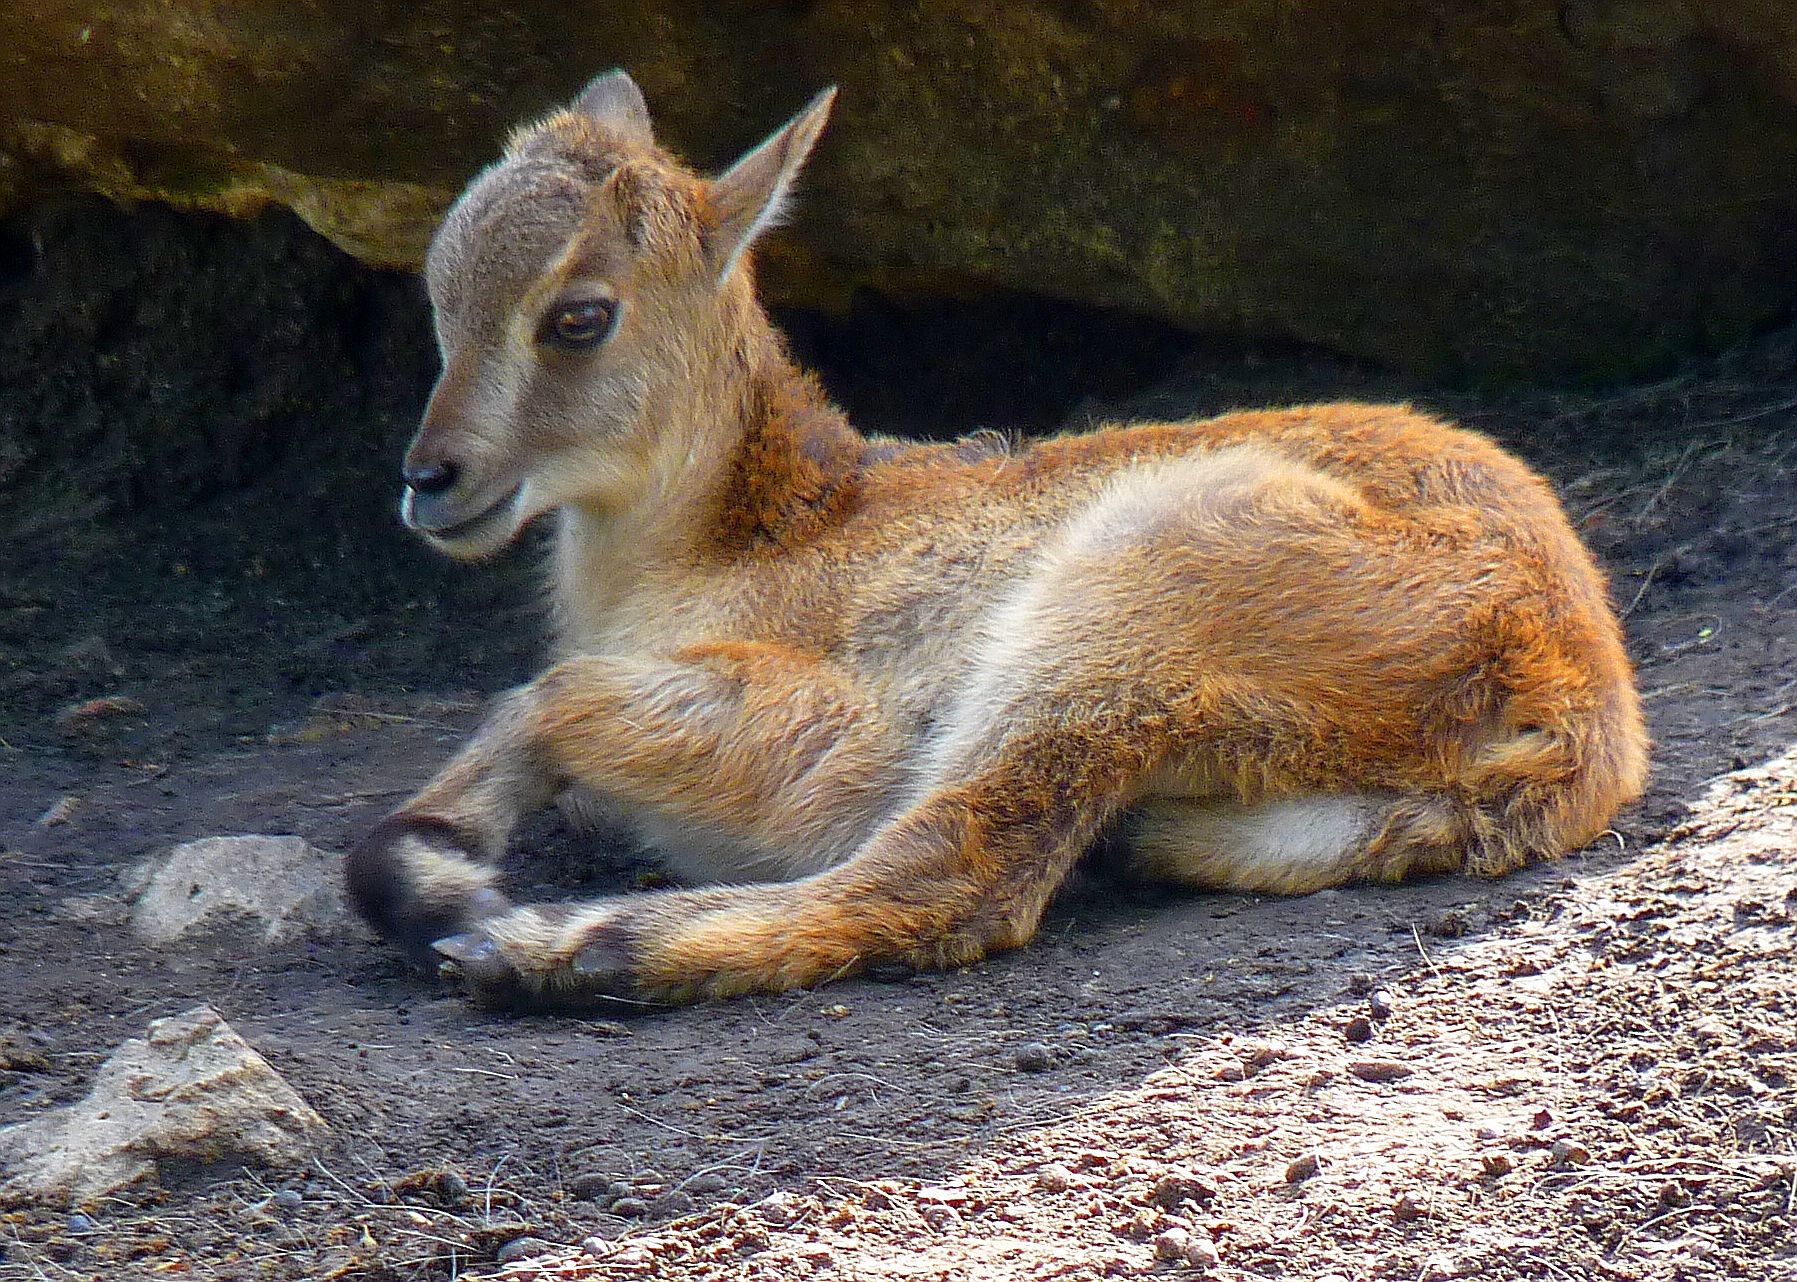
column 751, row 195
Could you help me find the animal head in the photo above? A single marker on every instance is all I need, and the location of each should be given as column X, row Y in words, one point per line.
column 582, row 286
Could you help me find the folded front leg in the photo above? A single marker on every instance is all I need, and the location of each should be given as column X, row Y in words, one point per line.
column 966, row 871
column 755, row 753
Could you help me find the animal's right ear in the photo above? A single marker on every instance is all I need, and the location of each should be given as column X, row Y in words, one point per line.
column 750, row 196
column 615, row 102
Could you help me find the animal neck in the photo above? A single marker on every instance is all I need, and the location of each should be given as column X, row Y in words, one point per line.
column 791, row 460
column 748, row 456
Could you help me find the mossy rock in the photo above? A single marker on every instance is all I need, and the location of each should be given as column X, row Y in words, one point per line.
column 1489, row 189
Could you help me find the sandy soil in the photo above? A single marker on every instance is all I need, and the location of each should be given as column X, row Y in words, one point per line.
column 1588, row 1070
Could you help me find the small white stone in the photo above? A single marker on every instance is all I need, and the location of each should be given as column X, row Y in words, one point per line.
column 1201, row 1252
column 1174, row 1244
column 283, row 884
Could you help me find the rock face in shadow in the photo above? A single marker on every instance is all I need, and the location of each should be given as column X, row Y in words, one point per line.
column 1489, row 188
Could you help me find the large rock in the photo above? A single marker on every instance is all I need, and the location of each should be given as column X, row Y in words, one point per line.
column 281, row 887
column 192, row 1091
column 1509, row 185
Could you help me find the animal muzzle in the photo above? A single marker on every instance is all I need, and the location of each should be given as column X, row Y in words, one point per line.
column 442, row 514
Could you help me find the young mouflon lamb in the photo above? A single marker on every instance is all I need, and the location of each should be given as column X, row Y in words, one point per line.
column 874, row 699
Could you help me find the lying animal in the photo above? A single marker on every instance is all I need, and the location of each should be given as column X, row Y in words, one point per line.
column 875, row 698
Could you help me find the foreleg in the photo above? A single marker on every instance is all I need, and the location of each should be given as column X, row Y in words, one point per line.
column 753, row 749
column 965, row 871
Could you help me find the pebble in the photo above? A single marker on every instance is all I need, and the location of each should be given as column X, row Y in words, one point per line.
column 1404, row 1210
column 1497, row 1164
column 80, row 1222
column 287, row 1200
column 1177, row 1187
column 1202, row 1253
column 592, row 1185
column 706, row 1184
column 1036, row 1057
column 630, row 1208
column 522, row 1248
column 1054, row 1178
column 1379, row 1003
column 1174, row 1244
column 1359, row 1029
column 1380, row 1070
column 1569, row 1153
column 674, row 1203
column 1303, row 1169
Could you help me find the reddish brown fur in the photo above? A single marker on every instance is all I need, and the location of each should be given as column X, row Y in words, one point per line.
column 899, row 689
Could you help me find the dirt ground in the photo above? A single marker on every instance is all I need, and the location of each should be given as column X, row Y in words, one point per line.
column 1588, row 1070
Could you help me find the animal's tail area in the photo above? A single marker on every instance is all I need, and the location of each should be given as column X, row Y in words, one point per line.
column 1537, row 793
column 1289, row 845
column 1533, row 792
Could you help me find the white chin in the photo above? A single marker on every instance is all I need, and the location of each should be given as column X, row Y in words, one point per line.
column 478, row 538
column 476, row 546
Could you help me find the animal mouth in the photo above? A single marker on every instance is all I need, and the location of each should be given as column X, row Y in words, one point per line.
column 467, row 526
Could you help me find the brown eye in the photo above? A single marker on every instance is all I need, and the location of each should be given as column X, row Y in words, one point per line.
column 580, row 324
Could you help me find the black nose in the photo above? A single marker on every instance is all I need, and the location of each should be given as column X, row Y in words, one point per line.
column 431, row 478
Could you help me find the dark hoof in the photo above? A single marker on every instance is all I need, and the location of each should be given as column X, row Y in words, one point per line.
column 475, row 957
column 399, row 901
column 598, row 976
